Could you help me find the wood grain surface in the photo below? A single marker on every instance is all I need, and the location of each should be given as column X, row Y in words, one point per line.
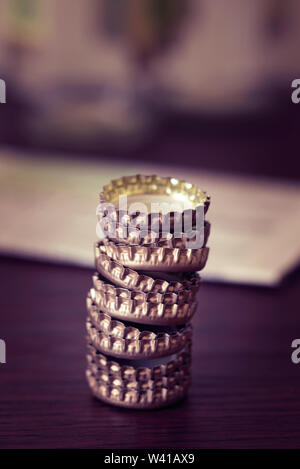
column 245, row 391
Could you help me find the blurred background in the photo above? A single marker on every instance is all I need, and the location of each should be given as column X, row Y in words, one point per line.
column 195, row 88
column 198, row 90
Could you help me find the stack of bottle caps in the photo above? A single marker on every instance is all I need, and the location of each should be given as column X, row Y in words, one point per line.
column 144, row 293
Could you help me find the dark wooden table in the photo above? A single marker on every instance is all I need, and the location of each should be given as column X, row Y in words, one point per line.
column 245, row 391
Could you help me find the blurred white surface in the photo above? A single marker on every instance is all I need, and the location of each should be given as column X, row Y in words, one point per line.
column 48, row 205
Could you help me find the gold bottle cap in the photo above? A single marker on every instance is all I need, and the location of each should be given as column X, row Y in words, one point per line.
column 119, row 340
column 136, row 370
column 119, row 233
column 137, row 399
column 149, row 297
column 158, row 259
column 139, row 185
column 127, row 309
column 133, row 280
column 120, row 382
